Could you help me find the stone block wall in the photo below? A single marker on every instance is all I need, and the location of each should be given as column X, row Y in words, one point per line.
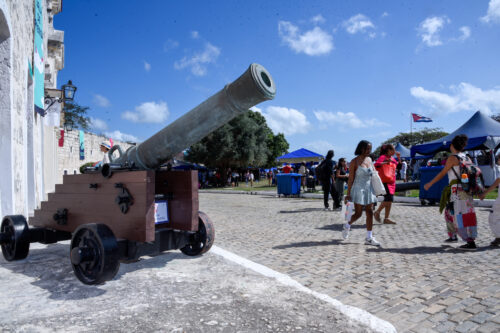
column 69, row 155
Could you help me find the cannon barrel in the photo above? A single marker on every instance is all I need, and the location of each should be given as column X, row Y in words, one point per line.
column 255, row 85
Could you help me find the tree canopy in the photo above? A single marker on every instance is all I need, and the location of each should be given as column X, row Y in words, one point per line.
column 244, row 141
column 77, row 115
column 415, row 138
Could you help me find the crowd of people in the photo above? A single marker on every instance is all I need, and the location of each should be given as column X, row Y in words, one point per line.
column 456, row 200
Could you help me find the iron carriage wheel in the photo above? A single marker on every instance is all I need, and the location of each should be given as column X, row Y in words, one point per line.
column 94, row 253
column 203, row 239
column 15, row 237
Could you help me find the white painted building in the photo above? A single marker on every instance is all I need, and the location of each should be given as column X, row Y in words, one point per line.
column 26, row 31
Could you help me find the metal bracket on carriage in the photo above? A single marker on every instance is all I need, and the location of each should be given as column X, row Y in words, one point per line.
column 124, row 198
column 164, row 196
column 94, row 186
column 61, row 217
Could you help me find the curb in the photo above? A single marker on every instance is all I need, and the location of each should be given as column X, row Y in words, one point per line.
column 399, row 199
column 352, row 312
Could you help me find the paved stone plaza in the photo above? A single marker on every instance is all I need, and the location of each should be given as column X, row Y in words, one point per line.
column 415, row 281
column 166, row 293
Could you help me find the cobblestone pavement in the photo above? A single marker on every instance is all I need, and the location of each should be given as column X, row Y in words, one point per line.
column 414, row 280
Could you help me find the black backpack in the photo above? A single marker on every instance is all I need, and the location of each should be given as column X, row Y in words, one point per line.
column 322, row 170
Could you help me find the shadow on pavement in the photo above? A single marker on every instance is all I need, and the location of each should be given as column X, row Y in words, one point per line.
column 51, row 270
column 415, row 205
column 309, row 244
column 303, row 210
column 339, row 227
column 427, row 249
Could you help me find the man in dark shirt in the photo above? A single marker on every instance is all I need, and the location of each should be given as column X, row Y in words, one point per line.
column 327, row 180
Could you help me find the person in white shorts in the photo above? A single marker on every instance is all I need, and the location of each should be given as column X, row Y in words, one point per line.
column 494, row 218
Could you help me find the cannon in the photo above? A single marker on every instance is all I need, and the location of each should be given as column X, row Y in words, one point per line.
column 132, row 206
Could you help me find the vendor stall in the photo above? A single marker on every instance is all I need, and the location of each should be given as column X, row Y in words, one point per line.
column 300, row 155
column 483, row 133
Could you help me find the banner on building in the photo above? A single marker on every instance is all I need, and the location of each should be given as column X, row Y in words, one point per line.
column 82, row 145
column 38, row 60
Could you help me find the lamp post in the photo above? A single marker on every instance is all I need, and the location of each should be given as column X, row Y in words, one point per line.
column 68, row 93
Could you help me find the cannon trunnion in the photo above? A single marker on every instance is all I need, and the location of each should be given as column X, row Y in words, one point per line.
column 131, row 207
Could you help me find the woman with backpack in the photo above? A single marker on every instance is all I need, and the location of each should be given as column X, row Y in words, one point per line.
column 386, row 167
column 459, row 215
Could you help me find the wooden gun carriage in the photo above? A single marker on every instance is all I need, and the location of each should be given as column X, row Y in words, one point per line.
column 111, row 213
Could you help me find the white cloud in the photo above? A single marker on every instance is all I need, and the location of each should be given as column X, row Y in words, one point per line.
column 285, row 120
column 320, row 146
column 147, row 66
column 117, row 135
column 170, row 44
column 148, row 112
column 359, row 23
column 323, row 146
column 318, row 19
column 463, row 97
column 384, row 14
column 98, row 124
column 465, row 33
column 347, row 119
column 493, row 14
column 430, row 28
column 101, row 101
column 195, row 34
column 313, row 42
column 198, row 62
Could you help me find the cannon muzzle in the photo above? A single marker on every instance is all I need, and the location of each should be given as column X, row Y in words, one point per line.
column 254, row 86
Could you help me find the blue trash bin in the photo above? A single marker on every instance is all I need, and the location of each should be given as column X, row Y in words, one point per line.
column 434, row 194
column 288, row 183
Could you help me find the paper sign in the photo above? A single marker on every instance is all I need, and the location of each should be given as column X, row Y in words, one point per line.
column 161, row 211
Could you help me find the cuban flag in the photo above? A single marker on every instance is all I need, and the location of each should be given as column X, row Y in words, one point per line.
column 420, row 119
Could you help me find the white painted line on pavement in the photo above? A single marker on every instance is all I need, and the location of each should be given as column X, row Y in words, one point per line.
column 352, row 312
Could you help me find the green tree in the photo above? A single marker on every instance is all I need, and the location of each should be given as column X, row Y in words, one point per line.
column 411, row 139
column 277, row 146
column 244, row 141
column 77, row 115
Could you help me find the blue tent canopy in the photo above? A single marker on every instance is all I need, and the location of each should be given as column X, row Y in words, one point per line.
column 482, row 131
column 300, row 155
column 406, row 153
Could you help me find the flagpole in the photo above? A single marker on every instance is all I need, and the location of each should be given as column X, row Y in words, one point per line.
column 411, row 130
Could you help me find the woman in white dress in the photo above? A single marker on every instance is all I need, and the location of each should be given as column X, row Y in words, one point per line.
column 360, row 190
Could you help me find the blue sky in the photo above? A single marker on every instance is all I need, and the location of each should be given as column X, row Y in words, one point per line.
column 344, row 70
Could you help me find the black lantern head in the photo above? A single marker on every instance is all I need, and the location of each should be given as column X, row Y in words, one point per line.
column 68, row 125
column 69, row 91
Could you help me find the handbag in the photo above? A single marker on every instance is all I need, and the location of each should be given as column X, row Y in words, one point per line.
column 387, row 172
column 377, row 185
column 347, row 210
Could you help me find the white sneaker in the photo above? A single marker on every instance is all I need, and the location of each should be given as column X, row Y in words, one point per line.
column 372, row 241
column 345, row 232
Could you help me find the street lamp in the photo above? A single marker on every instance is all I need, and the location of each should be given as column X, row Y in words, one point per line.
column 68, row 125
column 68, row 93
